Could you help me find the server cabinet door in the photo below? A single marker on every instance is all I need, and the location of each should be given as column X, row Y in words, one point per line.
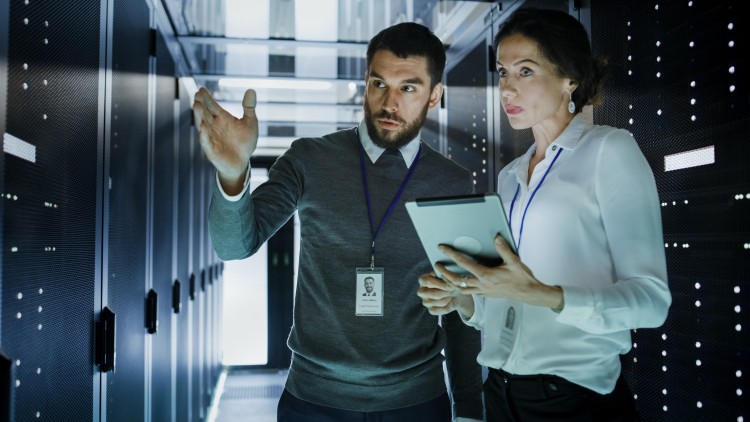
column 185, row 210
column 197, row 308
column 164, row 223
column 50, row 205
column 468, row 128
column 128, row 152
column 677, row 83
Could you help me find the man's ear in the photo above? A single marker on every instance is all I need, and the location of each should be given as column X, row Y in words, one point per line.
column 436, row 95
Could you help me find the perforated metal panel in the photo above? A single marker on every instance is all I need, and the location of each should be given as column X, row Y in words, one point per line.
column 468, row 140
column 679, row 83
column 50, row 206
column 128, row 207
column 200, row 205
column 184, row 227
column 207, row 335
column 6, row 368
column 208, row 294
column 87, row 222
column 164, row 225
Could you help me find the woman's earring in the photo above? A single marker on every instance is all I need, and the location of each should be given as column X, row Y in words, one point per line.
column 571, row 104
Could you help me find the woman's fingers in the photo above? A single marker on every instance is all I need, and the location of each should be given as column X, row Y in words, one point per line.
column 503, row 248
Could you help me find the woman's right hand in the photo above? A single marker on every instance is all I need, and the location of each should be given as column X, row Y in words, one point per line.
column 227, row 141
column 441, row 297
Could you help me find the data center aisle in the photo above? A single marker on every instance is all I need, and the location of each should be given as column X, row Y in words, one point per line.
column 248, row 395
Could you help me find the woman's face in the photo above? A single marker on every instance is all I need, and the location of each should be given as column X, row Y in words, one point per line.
column 532, row 93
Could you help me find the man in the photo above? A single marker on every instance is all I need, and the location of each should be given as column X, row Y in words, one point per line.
column 369, row 287
column 355, row 358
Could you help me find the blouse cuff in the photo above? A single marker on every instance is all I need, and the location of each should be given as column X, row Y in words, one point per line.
column 580, row 305
column 477, row 317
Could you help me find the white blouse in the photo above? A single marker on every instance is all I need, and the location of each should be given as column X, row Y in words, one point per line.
column 594, row 228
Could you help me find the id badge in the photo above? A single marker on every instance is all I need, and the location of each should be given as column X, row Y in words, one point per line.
column 509, row 331
column 369, row 292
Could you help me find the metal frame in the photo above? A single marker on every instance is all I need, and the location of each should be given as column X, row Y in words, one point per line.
column 102, row 189
column 4, row 12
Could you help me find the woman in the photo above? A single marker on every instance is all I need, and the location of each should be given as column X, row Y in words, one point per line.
column 583, row 207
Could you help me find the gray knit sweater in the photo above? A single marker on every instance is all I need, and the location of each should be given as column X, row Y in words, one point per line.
column 339, row 359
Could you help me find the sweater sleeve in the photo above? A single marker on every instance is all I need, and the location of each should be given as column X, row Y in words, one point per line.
column 464, row 373
column 463, row 344
column 239, row 228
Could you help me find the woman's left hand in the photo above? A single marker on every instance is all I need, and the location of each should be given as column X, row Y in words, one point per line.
column 510, row 280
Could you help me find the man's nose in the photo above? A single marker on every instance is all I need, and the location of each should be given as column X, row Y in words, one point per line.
column 390, row 101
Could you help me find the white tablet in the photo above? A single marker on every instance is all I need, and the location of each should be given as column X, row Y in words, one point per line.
column 467, row 223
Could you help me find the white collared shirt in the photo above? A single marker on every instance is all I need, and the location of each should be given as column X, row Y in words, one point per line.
column 593, row 228
column 408, row 151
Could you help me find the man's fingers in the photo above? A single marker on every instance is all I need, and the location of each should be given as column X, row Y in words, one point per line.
column 248, row 103
column 198, row 120
column 437, row 302
column 204, row 108
column 201, row 98
column 198, row 114
column 208, row 102
column 430, row 281
column 439, row 310
column 205, row 141
column 436, row 306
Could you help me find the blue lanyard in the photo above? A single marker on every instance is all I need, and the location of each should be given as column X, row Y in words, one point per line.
column 393, row 203
column 513, row 203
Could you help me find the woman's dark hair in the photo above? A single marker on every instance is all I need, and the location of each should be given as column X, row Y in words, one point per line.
column 411, row 39
column 564, row 42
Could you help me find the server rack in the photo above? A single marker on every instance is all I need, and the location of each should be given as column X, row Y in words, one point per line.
column 678, row 83
column 85, row 93
column 103, row 210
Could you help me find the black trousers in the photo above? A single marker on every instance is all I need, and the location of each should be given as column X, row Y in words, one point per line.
column 522, row 398
column 292, row 409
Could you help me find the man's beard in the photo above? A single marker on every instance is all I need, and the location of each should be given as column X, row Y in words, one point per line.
column 393, row 139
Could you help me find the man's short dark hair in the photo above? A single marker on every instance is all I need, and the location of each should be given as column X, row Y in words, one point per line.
column 411, row 39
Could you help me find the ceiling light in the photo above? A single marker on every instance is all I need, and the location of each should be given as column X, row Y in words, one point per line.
column 274, row 84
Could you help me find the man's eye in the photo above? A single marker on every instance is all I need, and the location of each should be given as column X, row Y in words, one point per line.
column 378, row 84
column 408, row 88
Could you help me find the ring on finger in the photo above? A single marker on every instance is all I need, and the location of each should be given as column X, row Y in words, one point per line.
column 463, row 281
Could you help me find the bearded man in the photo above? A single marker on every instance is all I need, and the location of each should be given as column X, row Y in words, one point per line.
column 353, row 357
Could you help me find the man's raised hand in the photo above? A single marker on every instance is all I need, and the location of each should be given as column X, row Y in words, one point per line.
column 227, row 141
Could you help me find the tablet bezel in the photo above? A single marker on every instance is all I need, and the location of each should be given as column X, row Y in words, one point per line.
column 448, row 219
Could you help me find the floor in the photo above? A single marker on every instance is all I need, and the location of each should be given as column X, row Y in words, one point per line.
column 248, row 395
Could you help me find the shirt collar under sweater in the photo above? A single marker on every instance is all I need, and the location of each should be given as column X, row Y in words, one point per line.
column 408, row 151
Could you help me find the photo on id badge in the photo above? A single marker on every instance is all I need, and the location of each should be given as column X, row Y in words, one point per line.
column 509, row 331
column 369, row 292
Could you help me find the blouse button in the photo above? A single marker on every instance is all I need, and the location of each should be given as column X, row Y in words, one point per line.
column 554, row 147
